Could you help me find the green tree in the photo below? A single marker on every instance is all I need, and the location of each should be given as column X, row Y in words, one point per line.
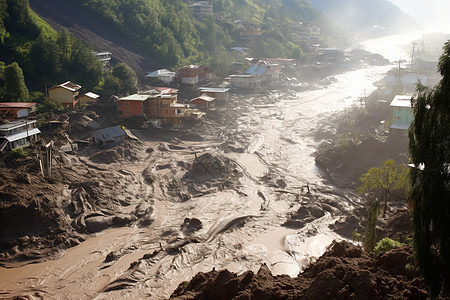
column 127, row 78
column 14, row 88
column 429, row 146
column 387, row 180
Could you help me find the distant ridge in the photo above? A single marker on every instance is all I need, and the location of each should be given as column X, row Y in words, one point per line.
column 366, row 15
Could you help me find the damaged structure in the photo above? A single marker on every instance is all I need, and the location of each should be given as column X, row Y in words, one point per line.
column 18, row 134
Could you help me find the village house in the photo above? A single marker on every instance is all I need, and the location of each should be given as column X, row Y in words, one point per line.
column 65, row 94
column 201, row 9
column 18, row 134
column 404, row 83
column 220, row 94
column 157, row 103
column 246, row 82
column 103, row 57
column 403, row 114
column 266, row 71
column 87, row 98
column 16, row 110
column 204, row 102
column 194, row 74
column 108, row 137
column 163, row 75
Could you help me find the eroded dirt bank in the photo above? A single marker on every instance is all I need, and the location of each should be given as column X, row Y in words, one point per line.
column 343, row 272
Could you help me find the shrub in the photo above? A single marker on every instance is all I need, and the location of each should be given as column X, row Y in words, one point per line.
column 18, row 153
column 386, row 244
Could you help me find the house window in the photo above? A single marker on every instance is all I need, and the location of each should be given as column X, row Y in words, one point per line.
column 154, row 112
column 126, row 104
column 127, row 112
column 21, row 142
column 397, row 118
column 167, row 112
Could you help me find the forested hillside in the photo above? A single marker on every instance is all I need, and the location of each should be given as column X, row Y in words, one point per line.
column 167, row 31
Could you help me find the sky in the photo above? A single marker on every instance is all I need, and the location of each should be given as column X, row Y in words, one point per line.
column 431, row 14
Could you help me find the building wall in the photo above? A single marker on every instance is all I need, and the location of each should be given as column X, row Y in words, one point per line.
column 131, row 108
column 403, row 115
column 61, row 95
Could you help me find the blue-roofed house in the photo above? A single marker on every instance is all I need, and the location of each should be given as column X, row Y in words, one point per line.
column 264, row 70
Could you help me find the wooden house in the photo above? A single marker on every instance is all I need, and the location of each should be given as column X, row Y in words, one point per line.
column 194, row 74
column 64, row 94
column 16, row 110
column 87, row 98
column 204, row 102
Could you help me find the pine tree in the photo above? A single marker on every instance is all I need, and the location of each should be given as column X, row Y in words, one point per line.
column 430, row 152
column 14, row 89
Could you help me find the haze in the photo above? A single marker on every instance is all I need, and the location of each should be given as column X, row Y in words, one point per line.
column 432, row 14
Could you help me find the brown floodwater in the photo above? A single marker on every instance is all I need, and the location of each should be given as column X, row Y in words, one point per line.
column 241, row 230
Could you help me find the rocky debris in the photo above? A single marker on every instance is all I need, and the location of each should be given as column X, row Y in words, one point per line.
column 345, row 271
column 191, row 225
column 210, row 173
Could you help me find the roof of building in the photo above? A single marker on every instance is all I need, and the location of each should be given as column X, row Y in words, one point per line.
column 213, row 90
column 161, row 72
column 23, row 134
column 400, row 126
column 401, row 101
column 17, row 104
column 16, row 123
column 204, row 97
column 91, row 95
column 108, row 134
column 68, row 86
column 134, row 97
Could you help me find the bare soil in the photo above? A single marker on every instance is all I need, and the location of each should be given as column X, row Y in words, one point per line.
column 343, row 272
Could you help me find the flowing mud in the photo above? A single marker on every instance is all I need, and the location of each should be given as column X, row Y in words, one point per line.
column 238, row 190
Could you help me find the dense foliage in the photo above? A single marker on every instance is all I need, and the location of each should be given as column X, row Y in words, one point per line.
column 430, row 152
column 167, row 31
column 35, row 51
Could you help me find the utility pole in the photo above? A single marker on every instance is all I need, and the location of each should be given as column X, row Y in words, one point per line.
column 412, row 55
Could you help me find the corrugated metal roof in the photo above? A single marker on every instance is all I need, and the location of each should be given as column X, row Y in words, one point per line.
column 91, row 95
column 108, row 134
column 68, row 86
column 17, row 104
column 23, row 134
column 213, row 90
column 401, row 101
column 134, row 97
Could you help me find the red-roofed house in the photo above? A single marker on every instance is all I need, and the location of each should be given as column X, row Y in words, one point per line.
column 64, row 93
column 16, row 110
column 204, row 102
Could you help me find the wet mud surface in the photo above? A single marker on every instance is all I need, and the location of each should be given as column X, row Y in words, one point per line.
column 235, row 191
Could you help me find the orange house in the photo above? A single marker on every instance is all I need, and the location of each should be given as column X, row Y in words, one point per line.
column 157, row 103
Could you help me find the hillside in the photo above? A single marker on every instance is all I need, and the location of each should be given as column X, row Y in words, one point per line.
column 89, row 28
column 367, row 16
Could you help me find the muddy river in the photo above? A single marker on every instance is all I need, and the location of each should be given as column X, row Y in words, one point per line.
column 241, row 228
